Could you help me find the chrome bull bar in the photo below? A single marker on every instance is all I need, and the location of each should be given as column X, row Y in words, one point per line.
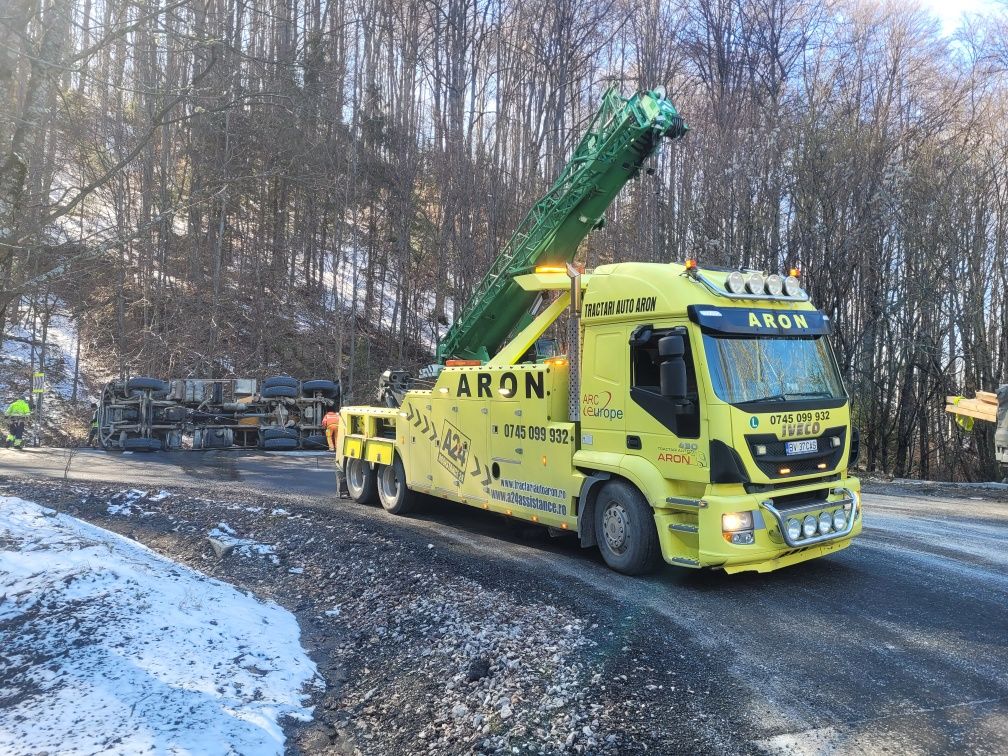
column 782, row 518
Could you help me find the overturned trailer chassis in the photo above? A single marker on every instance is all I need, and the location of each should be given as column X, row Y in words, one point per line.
column 148, row 414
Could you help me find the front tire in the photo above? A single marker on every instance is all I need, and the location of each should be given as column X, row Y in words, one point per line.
column 625, row 529
column 362, row 481
column 395, row 496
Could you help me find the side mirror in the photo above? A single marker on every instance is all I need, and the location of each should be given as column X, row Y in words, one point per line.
column 673, row 367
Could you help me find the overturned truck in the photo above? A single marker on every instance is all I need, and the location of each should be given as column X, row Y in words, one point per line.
column 148, row 414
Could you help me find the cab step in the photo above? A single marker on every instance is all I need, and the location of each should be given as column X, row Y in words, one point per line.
column 684, row 527
column 685, row 562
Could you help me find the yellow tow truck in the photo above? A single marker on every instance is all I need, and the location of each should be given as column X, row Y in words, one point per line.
column 697, row 415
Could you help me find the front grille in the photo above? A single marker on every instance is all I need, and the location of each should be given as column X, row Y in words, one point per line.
column 799, row 500
column 770, row 464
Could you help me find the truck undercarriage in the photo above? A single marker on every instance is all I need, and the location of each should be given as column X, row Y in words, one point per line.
column 147, row 414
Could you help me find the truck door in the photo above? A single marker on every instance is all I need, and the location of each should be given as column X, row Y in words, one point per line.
column 603, row 388
column 676, row 443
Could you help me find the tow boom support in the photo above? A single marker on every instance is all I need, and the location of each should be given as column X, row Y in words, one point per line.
column 622, row 135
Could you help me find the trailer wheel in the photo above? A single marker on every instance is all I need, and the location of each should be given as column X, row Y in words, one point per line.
column 625, row 529
column 393, row 492
column 281, row 380
column 362, row 481
column 278, row 392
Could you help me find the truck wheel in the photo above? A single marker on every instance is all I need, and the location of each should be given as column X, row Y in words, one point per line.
column 327, row 388
column 281, row 380
column 362, row 481
column 395, row 496
column 141, row 444
column 625, row 529
column 280, row 444
column 267, row 434
column 315, row 441
column 277, row 392
column 140, row 384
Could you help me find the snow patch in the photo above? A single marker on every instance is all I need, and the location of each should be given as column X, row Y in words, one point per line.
column 244, row 546
column 109, row 647
column 125, row 503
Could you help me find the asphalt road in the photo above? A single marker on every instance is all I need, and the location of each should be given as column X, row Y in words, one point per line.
column 898, row 644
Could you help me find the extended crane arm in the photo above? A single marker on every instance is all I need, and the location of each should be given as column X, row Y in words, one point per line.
column 622, row 135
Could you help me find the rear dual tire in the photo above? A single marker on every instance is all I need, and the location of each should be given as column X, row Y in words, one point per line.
column 394, row 494
column 381, row 483
column 361, row 480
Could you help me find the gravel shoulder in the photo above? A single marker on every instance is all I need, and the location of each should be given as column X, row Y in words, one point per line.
column 417, row 654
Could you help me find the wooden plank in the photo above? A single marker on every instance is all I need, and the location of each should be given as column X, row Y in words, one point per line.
column 989, row 417
column 972, row 404
column 987, row 397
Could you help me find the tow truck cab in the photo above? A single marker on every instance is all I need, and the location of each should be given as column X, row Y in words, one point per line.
column 742, row 444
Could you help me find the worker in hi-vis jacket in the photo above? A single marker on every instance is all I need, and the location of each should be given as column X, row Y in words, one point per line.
column 17, row 414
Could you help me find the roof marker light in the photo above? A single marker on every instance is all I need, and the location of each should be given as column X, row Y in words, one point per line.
column 550, row 269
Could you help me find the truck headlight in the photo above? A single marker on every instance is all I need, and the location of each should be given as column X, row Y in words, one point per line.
column 754, row 282
column 839, row 520
column 791, row 286
column 734, row 521
column 825, row 522
column 809, row 526
column 793, row 529
column 774, row 285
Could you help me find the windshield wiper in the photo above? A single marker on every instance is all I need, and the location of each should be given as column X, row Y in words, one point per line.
column 774, row 398
column 794, row 395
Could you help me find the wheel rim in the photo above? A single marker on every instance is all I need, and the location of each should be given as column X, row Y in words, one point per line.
column 355, row 477
column 615, row 526
column 389, row 484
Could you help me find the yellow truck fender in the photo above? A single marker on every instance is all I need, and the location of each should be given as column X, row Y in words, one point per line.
column 600, row 467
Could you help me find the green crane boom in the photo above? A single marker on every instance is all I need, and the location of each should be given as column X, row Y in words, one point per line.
column 622, row 135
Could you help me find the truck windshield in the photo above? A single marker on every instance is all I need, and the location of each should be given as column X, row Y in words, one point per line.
column 762, row 368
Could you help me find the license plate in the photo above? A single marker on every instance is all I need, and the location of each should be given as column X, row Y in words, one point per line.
column 801, row 447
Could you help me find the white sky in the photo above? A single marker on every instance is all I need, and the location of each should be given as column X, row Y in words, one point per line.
column 950, row 11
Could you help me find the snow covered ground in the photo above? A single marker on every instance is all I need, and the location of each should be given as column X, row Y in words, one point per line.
column 105, row 646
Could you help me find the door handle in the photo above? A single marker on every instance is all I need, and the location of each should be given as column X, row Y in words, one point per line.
column 633, row 442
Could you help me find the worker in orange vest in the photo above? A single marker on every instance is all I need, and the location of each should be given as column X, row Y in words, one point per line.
column 331, row 423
